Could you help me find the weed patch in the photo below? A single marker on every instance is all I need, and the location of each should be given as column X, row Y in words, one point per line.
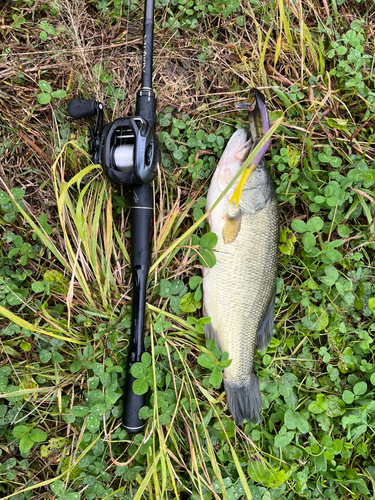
column 65, row 291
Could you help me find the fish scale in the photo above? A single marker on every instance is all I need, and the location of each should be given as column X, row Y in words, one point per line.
column 239, row 290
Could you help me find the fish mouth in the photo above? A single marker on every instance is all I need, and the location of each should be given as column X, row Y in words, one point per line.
column 259, row 126
column 247, row 146
column 241, row 143
column 258, row 117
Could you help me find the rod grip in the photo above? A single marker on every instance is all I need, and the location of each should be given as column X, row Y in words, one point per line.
column 132, row 404
column 141, row 230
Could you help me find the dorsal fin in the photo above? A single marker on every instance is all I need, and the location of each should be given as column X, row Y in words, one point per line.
column 264, row 335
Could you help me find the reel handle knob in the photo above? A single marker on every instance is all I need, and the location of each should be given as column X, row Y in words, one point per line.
column 82, row 108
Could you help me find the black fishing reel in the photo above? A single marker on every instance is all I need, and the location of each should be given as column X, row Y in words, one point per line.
column 127, row 148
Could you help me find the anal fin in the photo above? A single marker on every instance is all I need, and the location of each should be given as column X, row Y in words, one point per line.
column 211, row 333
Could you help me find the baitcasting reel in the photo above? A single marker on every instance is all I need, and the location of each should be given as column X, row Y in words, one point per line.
column 127, row 148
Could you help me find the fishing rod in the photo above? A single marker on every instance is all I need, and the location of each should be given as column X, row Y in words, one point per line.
column 129, row 153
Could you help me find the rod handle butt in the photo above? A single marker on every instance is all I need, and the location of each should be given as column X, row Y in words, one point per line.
column 132, row 403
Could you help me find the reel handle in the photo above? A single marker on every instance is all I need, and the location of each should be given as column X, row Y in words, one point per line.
column 82, row 108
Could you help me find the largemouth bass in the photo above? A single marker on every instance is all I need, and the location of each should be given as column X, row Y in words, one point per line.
column 239, row 291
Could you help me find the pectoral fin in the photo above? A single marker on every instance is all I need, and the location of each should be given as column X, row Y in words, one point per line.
column 264, row 335
column 232, row 227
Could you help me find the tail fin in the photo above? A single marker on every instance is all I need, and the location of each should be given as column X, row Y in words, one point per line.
column 244, row 399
